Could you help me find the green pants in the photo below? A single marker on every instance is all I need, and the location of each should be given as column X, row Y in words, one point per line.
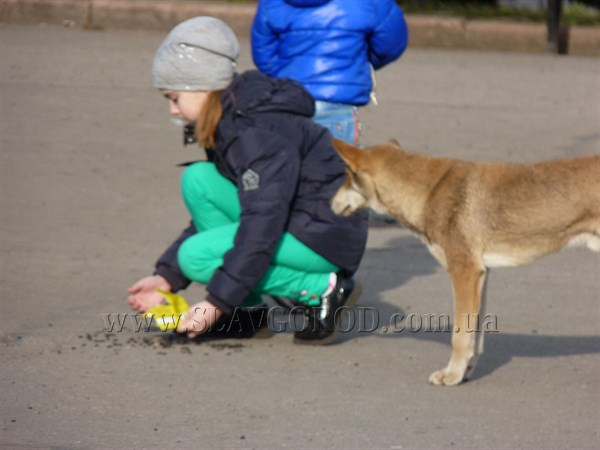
column 296, row 271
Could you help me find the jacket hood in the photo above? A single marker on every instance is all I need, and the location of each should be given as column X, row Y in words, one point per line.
column 306, row 3
column 254, row 92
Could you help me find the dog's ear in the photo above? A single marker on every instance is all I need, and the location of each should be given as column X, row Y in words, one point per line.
column 352, row 155
column 394, row 142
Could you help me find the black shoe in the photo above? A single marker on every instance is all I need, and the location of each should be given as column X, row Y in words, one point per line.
column 324, row 322
column 287, row 303
column 243, row 323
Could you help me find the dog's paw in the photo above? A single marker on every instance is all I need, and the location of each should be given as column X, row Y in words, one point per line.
column 445, row 377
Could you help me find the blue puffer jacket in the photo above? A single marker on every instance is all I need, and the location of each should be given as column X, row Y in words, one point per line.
column 327, row 45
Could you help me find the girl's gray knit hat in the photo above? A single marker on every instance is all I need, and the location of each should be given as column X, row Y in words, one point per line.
column 199, row 54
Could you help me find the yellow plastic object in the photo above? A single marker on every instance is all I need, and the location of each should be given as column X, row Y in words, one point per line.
column 167, row 316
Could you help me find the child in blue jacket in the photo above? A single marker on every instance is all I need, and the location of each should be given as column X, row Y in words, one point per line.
column 261, row 219
column 331, row 47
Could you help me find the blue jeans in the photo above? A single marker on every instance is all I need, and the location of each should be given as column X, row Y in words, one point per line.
column 340, row 119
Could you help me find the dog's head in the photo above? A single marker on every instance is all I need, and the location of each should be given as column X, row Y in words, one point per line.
column 359, row 189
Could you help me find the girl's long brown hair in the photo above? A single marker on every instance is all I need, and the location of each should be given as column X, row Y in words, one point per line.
column 208, row 119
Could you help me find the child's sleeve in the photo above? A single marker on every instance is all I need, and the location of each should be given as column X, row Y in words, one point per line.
column 390, row 36
column 167, row 265
column 264, row 42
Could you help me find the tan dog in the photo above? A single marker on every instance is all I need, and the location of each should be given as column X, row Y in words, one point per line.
column 473, row 216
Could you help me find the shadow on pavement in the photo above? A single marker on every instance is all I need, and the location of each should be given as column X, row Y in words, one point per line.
column 405, row 258
column 501, row 348
column 386, row 269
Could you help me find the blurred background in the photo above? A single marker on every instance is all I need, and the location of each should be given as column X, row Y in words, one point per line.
column 557, row 26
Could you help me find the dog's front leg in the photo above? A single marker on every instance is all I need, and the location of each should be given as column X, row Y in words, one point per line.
column 479, row 333
column 467, row 282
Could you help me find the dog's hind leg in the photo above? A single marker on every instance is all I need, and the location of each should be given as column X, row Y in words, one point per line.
column 468, row 281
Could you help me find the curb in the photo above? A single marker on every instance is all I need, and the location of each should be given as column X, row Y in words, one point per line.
column 162, row 15
column 496, row 35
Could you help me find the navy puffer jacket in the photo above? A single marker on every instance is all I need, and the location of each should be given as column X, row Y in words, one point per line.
column 327, row 45
column 266, row 128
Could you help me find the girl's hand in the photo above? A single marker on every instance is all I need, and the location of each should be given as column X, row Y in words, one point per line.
column 143, row 294
column 201, row 318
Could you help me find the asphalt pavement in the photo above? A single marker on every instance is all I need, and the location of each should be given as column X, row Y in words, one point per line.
column 89, row 198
